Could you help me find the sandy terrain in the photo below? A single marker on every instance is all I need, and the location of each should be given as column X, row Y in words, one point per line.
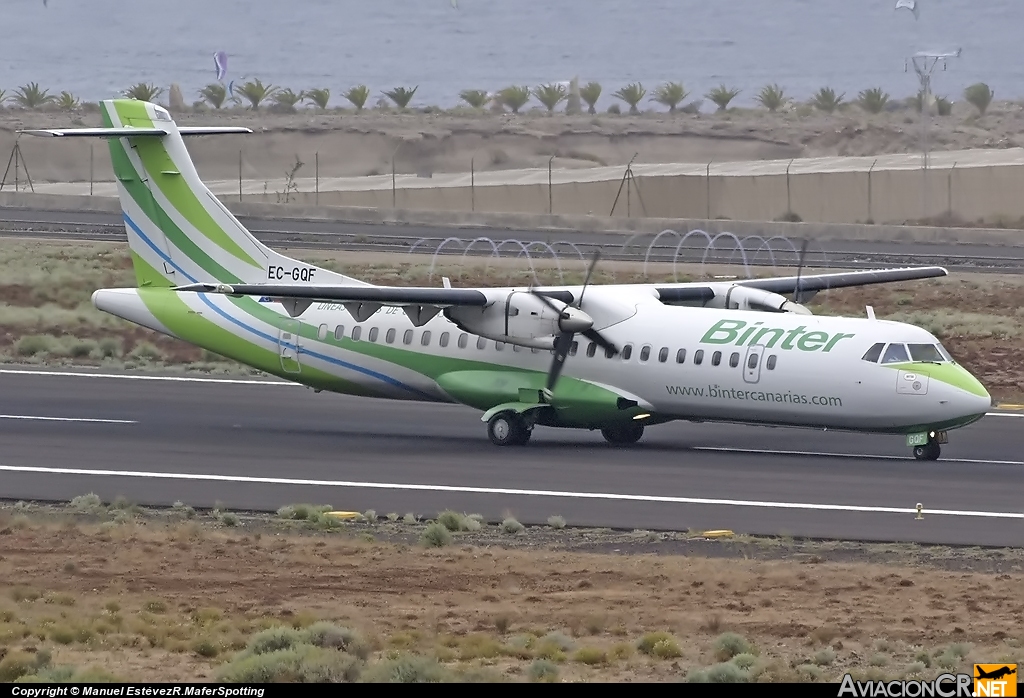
column 174, row 595
column 351, row 144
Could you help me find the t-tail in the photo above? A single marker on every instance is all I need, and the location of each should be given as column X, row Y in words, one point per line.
column 179, row 233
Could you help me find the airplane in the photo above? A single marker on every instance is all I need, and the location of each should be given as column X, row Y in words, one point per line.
column 618, row 357
column 995, row 673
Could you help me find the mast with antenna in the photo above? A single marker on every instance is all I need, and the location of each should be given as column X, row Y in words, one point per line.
column 924, row 63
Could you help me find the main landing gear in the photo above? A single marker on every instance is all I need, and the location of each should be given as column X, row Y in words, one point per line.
column 623, row 434
column 932, row 448
column 508, row 429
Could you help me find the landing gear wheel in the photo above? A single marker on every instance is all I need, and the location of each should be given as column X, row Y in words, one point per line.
column 628, row 433
column 929, row 452
column 508, row 429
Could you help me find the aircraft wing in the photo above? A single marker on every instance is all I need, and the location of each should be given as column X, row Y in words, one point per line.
column 808, row 284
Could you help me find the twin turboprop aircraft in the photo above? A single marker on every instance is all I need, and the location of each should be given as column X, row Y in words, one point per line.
column 617, row 358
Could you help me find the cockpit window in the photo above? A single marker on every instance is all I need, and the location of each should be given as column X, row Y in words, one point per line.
column 894, row 354
column 925, row 352
column 874, row 352
column 161, row 114
column 945, row 354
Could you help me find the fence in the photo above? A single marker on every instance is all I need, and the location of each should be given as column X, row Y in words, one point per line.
column 970, row 185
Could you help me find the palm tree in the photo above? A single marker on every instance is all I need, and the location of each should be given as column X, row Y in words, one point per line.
column 722, row 95
column 67, row 102
column 358, row 96
column 514, row 97
column 401, row 96
column 256, row 92
column 3, row 97
column 590, row 93
column 980, row 96
column 144, row 92
column 287, row 99
column 215, row 94
column 670, row 94
column 632, row 94
column 771, row 97
column 474, row 98
column 826, row 100
column 873, row 101
column 319, row 96
column 551, row 95
column 30, row 96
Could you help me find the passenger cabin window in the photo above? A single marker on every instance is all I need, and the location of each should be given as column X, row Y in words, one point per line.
column 894, row 354
column 609, row 353
column 407, row 337
column 321, row 333
column 663, row 355
column 373, row 334
column 925, row 352
column 752, row 362
column 698, row 357
column 627, row 351
column 645, row 352
column 481, row 343
column 390, row 336
column 339, row 332
column 442, row 340
column 463, row 340
column 357, row 332
column 516, row 347
column 591, row 349
column 734, row 359
column 573, row 348
column 680, row 356
column 425, row 339
column 500, row 346
column 771, row 362
column 716, row 358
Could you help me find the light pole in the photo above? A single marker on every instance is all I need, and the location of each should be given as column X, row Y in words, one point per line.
column 924, row 64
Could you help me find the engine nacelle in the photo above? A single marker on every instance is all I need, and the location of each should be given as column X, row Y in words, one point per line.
column 737, row 297
column 519, row 317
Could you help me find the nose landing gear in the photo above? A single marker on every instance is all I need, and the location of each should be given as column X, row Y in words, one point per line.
column 927, row 446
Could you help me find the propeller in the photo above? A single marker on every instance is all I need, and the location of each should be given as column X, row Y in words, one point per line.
column 572, row 321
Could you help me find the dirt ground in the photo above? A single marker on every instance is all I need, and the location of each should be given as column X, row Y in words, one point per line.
column 145, row 595
column 359, row 144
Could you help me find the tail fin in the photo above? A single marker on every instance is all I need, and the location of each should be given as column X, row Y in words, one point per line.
column 178, row 231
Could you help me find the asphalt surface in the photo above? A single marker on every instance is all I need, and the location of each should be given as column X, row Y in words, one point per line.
column 261, row 445
column 86, row 225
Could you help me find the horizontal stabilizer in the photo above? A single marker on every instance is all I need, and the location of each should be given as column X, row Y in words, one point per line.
column 128, row 132
column 385, row 295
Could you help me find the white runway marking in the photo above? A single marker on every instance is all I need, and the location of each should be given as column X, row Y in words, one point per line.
column 865, row 456
column 67, row 419
column 508, row 491
column 173, row 379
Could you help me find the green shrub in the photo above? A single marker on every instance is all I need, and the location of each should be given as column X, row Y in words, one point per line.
column 541, row 670
column 648, row 641
column 88, row 503
column 666, row 649
column 728, row 645
column 825, row 657
column 31, row 345
column 590, row 656
column 772, row 97
column 556, row 522
column 744, row 661
column 408, row 669
column 511, row 526
column 436, row 536
column 450, row 520
column 980, row 96
column 330, row 636
column 296, row 664
column 718, row 673
column 205, row 647
column 279, row 637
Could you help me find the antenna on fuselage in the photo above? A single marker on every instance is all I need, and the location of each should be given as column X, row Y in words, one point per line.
column 871, row 312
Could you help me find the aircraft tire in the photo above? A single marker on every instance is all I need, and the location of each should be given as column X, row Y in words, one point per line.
column 507, row 429
column 623, row 434
column 929, row 452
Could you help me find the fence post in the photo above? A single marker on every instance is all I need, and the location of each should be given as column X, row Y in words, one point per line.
column 393, row 195
column 707, row 180
column 472, row 184
column 90, row 168
column 316, row 159
column 239, row 175
column 949, row 192
column 871, row 218
column 789, row 195
column 551, row 205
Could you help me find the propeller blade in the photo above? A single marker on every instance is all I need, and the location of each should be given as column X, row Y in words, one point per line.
column 595, row 336
column 799, row 271
column 586, row 280
column 562, row 345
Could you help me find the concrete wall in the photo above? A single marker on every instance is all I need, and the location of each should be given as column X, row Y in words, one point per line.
column 882, row 196
column 22, row 205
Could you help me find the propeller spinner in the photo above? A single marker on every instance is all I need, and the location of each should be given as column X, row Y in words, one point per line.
column 572, row 321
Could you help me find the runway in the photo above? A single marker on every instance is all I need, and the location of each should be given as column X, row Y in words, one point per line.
column 258, row 445
column 340, row 235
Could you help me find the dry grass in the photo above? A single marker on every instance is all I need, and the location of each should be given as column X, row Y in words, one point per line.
column 169, row 599
column 46, row 316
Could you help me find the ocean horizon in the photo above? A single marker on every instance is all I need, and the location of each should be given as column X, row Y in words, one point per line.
column 99, row 48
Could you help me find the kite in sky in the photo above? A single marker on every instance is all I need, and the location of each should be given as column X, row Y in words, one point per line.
column 908, row 5
column 220, row 60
